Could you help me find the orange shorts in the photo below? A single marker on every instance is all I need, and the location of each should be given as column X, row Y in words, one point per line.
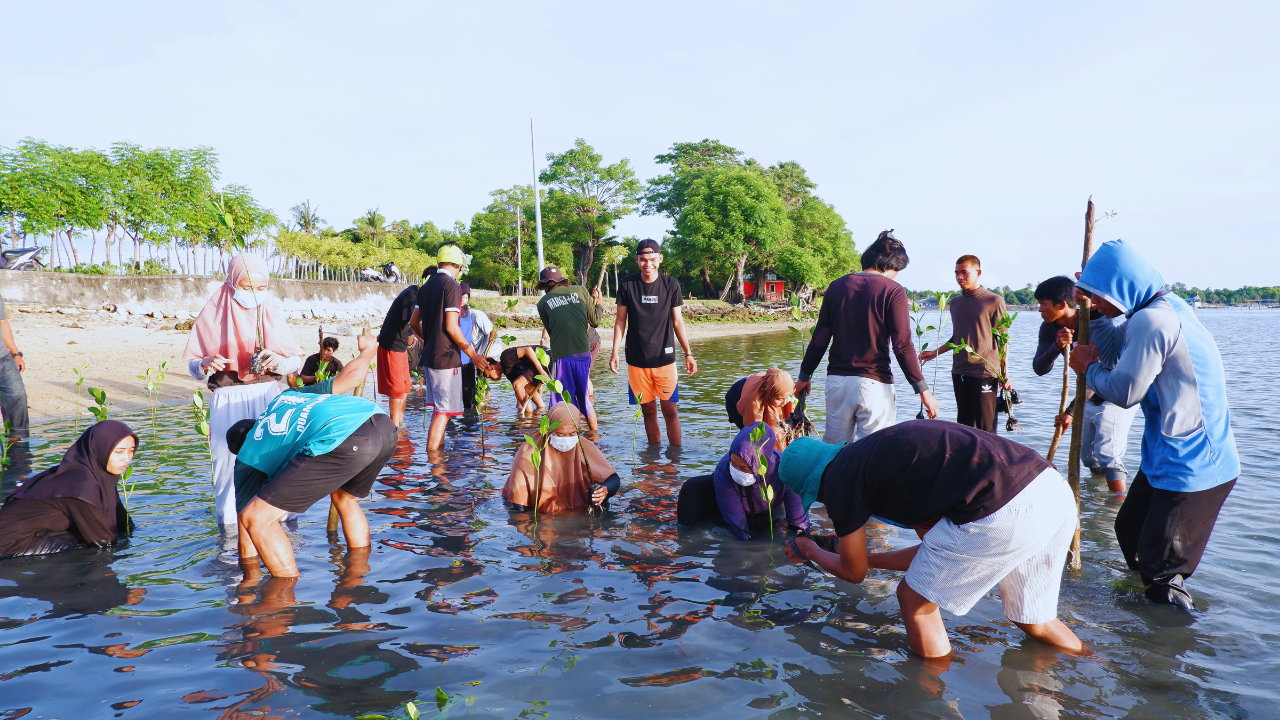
column 650, row 383
column 393, row 373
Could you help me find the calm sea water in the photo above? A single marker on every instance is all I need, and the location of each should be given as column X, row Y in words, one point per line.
column 625, row 616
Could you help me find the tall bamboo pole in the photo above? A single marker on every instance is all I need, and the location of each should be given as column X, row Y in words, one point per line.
column 1077, row 414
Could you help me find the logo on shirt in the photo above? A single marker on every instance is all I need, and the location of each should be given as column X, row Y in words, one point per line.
column 278, row 425
column 558, row 300
column 669, row 350
column 649, row 299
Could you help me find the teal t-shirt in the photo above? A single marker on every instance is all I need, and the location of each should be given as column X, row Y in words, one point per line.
column 307, row 420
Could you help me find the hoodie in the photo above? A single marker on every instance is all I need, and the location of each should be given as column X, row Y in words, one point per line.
column 1163, row 358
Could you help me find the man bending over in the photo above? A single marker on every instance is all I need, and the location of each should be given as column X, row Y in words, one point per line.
column 310, row 442
column 996, row 514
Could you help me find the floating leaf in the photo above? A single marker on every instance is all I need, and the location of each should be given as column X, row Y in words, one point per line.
column 442, row 699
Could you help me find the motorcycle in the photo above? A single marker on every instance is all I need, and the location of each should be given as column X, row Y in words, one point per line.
column 21, row 259
column 389, row 274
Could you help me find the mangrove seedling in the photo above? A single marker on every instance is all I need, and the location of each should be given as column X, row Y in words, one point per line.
column 917, row 319
column 7, row 442
column 943, row 299
column 126, row 486
column 101, row 408
column 201, row 425
column 482, row 403
column 545, row 426
column 761, row 471
column 634, row 422
column 152, row 388
column 80, row 378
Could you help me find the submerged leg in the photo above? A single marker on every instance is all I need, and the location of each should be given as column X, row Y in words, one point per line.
column 261, row 520
column 926, row 635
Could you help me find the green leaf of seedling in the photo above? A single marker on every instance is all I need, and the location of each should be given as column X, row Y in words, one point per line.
column 471, row 700
column 930, row 329
column 914, row 307
column 793, row 329
column 99, row 396
column 202, row 427
column 197, row 399
column 442, row 699
column 757, row 433
column 542, row 378
column 768, row 493
column 543, row 424
column 542, row 357
column 557, row 386
column 535, row 457
column 554, row 425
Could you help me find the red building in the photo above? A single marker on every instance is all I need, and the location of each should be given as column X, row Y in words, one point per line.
column 774, row 288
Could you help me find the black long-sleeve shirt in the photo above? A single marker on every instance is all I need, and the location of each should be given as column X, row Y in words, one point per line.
column 862, row 316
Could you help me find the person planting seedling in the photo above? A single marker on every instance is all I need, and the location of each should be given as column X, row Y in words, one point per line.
column 558, row 470
column 743, row 492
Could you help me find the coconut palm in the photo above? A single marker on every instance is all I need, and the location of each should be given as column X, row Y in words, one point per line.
column 305, row 217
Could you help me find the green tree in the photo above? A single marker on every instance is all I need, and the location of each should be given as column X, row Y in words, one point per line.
column 306, row 218
column 733, row 213
column 586, row 198
column 372, row 228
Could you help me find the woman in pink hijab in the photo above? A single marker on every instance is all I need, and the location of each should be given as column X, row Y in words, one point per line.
column 220, row 351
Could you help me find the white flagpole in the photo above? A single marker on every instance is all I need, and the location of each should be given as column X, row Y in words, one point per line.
column 537, row 202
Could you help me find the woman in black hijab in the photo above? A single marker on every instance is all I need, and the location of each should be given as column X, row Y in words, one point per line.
column 76, row 503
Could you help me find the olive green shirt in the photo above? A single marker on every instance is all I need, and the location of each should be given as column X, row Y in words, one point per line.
column 565, row 312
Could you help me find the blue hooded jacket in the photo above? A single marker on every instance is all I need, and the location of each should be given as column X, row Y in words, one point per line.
column 1164, row 358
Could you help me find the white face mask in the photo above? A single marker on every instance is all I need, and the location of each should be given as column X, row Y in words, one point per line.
column 250, row 299
column 745, row 479
column 564, row 443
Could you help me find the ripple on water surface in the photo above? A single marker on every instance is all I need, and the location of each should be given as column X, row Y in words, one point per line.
column 623, row 615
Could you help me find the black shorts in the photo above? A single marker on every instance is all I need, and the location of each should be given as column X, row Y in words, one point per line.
column 352, row 466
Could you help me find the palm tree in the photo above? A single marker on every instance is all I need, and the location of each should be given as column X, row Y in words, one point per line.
column 372, row 228
column 305, row 217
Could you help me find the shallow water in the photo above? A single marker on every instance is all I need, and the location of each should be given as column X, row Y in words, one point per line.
column 626, row 615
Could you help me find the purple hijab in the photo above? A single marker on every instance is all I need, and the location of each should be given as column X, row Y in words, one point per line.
column 82, row 474
column 737, row 502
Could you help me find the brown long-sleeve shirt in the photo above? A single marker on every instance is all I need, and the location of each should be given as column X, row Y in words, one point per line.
column 972, row 316
column 863, row 315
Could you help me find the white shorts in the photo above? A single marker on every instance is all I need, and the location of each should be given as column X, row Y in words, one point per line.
column 1022, row 548
column 857, row 407
column 443, row 390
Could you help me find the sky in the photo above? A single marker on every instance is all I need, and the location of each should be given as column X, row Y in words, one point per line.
column 968, row 127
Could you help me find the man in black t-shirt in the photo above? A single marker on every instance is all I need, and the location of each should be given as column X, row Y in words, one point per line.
column 649, row 316
column 995, row 513
column 322, row 362
column 394, row 340
column 436, row 322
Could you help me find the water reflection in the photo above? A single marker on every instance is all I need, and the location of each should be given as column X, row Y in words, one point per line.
column 618, row 615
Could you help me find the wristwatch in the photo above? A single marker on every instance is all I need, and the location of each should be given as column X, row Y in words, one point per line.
column 17, row 354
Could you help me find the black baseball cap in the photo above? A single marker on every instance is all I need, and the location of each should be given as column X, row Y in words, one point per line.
column 648, row 246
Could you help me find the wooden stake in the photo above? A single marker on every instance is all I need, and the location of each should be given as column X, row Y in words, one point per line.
column 332, row 527
column 1077, row 414
column 1062, row 404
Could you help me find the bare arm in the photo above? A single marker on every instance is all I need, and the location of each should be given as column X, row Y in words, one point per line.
column 677, row 319
column 454, row 331
column 6, row 333
column 415, row 323
column 619, row 331
column 851, row 562
column 353, row 373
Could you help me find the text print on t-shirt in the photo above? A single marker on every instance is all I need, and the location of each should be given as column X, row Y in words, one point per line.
column 649, row 299
column 559, row 300
column 280, row 427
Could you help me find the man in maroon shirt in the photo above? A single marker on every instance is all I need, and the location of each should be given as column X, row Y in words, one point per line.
column 862, row 315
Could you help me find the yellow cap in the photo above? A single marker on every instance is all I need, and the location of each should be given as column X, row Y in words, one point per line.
column 451, row 254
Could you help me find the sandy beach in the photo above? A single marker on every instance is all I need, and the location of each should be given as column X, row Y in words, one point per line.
column 118, row 351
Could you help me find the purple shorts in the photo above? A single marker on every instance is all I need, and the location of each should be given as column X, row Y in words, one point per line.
column 573, row 372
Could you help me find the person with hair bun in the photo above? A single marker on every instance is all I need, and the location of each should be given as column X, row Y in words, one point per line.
column 864, row 315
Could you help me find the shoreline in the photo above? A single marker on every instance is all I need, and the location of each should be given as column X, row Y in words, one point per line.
column 52, row 346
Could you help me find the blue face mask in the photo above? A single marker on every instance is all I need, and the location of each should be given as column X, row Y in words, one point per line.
column 248, row 299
